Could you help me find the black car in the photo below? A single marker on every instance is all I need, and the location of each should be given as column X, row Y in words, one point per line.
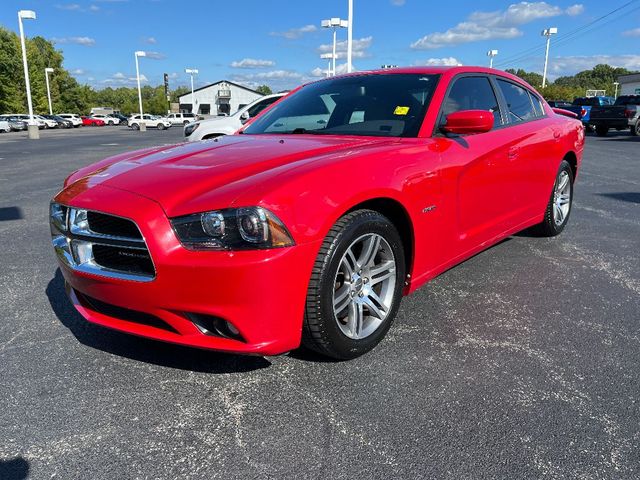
column 62, row 122
column 123, row 120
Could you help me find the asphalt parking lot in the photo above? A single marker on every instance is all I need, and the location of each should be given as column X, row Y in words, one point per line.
column 523, row 362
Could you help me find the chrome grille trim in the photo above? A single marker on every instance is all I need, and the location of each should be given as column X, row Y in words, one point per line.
column 74, row 247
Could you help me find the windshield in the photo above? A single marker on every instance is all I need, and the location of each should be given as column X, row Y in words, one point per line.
column 388, row 105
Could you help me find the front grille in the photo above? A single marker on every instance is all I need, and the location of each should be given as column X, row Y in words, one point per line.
column 122, row 313
column 113, row 226
column 101, row 244
column 133, row 261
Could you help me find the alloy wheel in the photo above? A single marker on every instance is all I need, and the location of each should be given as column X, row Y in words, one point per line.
column 562, row 198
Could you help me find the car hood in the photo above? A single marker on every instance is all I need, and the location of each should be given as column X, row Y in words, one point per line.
column 174, row 175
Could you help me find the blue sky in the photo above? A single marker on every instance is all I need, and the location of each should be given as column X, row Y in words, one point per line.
column 279, row 42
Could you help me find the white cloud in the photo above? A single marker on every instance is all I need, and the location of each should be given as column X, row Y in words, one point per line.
column 574, row 10
column 75, row 7
column 155, row 55
column 85, row 41
column 398, row 3
column 635, row 32
column 444, row 61
column 573, row 64
column 488, row 25
column 77, row 71
column 360, row 47
column 119, row 79
column 341, row 68
column 150, row 40
column 294, row 33
column 277, row 79
column 253, row 63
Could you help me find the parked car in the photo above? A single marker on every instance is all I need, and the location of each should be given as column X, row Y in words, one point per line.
column 25, row 118
column 75, row 119
column 182, row 118
column 48, row 123
column 123, row 120
column 4, row 126
column 15, row 123
column 314, row 233
column 61, row 122
column 585, row 104
column 623, row 114
column 559, row 104
column 92, row 122
column 107, row 119
column 217, row 126
column 151, row 121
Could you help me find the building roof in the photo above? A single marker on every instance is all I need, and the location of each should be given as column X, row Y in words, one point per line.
column 219, row 82
column 629, row 78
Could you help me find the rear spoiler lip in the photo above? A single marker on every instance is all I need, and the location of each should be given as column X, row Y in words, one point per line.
column 562, row 111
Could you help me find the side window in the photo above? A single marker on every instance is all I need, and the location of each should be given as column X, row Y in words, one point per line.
column 537, row 105
column 518, row 101
column 258, row 107
column 472, row 93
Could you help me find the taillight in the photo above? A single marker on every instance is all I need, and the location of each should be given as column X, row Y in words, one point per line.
column 629, row 113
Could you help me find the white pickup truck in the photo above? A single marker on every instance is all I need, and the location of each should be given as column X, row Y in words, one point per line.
column 182, row 118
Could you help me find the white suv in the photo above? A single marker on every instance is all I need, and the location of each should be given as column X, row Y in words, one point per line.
column 107, row 119
column 75, row 119
column 182, row 118
column 151, row 121
column 217, row 126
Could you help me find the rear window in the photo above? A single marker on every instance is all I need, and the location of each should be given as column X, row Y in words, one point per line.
column 519, row 105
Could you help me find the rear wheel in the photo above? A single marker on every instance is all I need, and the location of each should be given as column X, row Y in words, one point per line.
column 559, row 207
column 135, row 126
column 110, row 123
column 635, row 129
column 602, row 131
column 355, row 287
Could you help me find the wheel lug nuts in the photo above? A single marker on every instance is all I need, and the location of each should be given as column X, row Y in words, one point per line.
column 366, row 280
column 361, row 294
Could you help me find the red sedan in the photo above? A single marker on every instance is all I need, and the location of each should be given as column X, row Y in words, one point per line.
column 92, row 122
column 313, row 223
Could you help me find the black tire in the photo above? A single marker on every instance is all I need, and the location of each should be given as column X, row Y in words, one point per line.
column 111, row 123
column 186, row 122
column 548, row 227
column 321, row 332
column 135, row 126
column 602, row 131
column 635, row 129
column 161, row 126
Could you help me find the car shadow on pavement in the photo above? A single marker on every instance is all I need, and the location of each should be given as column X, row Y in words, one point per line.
column 142, row 349
column 631, row 197
column 14, row 469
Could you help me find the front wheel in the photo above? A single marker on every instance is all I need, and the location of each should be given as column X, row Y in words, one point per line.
column 356, row 286
column 635, row 129
column 602, row 131
column 559, row 207
column 135, row 126
column 161, row 126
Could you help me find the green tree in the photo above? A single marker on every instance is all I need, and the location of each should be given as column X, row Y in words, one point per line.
column 264, row 90
column 532, row 78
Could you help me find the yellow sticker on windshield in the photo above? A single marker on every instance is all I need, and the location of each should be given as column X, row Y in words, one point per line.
column 401, row 110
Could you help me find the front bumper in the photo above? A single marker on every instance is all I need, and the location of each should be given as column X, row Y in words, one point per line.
column 261, row 293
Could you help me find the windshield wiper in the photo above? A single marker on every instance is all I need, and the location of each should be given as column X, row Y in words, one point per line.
column 301, row 130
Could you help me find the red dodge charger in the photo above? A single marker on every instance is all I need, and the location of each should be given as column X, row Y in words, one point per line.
column 311, row 223
column 92, row 122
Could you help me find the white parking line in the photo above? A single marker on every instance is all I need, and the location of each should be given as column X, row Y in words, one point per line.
column 109, row 144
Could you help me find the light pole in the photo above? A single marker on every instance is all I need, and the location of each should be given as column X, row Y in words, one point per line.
column 192, row 72
column 334, row 23
column 140, row 53
column 27, row 15
column 547, row 32
column 491, row 54
column 47, row 71
column 350, row 38
column 615, row 84
column 328, row 56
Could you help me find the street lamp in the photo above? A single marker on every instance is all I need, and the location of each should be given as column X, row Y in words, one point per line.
column 547, row 32
column 615, row 84
column 192, row 72
column 491, row 54
column 47, row 71
column 328, row 56
column 334, row 23
column 350, row 38
column 140, row 53
column 27, row 15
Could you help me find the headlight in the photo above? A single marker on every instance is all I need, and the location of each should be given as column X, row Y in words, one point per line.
column 232, row 229
column 190, row 128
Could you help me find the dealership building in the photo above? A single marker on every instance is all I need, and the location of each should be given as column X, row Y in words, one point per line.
column 629, row 84
column 223, row 97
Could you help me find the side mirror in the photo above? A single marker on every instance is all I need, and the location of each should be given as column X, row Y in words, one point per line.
column 244, row 117
column 469, row 122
